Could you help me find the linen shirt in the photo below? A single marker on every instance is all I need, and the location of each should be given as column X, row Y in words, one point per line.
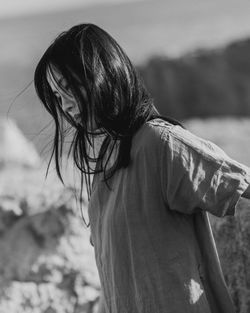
column 154, row 247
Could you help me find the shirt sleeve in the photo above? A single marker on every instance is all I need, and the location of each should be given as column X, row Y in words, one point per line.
column 198, row 175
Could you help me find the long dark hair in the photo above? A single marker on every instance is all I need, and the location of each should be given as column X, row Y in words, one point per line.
column 115, row 97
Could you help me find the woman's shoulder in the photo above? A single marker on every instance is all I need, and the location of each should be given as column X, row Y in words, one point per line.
column 159, row 122
column 160, row 128
column 159, row 134
column 151, row 134
column 181, row 141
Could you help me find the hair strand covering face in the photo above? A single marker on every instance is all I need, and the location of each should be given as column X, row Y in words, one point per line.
column 106, row 87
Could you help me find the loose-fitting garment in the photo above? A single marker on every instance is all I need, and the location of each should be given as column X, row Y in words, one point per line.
column 152, row 238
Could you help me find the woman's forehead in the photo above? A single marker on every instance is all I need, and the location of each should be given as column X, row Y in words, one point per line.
column 56, row 80
column 54, row 77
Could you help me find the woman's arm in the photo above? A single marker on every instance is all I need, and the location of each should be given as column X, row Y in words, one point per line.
column 246, row 194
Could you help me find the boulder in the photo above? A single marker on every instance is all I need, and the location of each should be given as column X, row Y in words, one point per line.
column 15, row 149
column 47, row 263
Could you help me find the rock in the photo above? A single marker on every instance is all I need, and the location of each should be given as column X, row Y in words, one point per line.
column 14, row 147
column 47, row 263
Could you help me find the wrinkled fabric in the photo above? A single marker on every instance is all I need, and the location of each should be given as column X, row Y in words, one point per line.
column 153, row 243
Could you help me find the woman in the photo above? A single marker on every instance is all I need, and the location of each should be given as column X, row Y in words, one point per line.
column 154, row 181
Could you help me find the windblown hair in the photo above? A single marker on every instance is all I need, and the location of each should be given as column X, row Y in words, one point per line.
column 87, row 56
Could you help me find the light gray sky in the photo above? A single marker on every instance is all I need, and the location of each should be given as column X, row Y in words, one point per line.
column 11, row 8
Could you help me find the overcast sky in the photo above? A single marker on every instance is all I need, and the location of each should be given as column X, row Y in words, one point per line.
column 10, row 8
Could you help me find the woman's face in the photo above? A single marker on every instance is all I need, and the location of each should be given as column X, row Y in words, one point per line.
column 64, row 95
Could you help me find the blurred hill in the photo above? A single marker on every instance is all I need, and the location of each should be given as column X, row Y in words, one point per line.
column 204, row 83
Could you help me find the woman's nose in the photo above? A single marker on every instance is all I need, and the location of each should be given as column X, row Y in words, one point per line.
column 67, row 106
